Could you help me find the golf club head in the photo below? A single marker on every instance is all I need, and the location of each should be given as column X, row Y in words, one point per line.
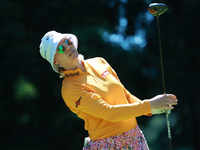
column 157, row 9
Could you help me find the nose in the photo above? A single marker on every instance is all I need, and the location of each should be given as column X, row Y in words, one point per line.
column 67, row 47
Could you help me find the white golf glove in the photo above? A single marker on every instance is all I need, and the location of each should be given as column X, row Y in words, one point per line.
column 160, row 111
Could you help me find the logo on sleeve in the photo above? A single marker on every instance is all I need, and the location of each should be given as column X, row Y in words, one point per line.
column 105, row 73
column 78, row 102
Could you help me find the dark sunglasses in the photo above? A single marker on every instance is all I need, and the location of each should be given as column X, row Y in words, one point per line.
column 61, row 49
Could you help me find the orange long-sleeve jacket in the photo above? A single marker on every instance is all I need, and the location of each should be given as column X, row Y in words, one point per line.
column 99, row 98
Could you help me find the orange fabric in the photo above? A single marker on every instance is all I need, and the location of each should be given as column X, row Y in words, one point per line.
column 98, row 97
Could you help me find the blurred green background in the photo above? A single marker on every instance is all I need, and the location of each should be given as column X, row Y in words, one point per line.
column 34, row 116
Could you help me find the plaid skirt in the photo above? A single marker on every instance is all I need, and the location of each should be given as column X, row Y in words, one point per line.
column 130, row 140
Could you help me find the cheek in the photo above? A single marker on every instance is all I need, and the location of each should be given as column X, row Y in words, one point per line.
column 60, row 58
column 56, row 58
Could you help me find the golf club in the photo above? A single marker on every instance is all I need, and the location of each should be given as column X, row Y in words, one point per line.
column 157, row 9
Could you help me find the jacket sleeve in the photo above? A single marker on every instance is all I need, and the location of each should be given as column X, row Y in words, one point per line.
column 81, row 100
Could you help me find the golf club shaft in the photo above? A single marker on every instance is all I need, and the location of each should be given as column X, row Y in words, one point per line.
column 168, row 129
column 163, row 82
column 161, row 61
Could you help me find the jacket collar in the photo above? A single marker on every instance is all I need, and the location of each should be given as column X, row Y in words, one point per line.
column 76, row 72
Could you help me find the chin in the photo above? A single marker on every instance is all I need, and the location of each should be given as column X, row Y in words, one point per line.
column 75, row 57
column 80, row 56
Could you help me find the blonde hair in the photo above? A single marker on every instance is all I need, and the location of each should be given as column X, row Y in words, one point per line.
column 61, row 69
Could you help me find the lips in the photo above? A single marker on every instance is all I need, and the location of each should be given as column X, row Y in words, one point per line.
column 71, row 52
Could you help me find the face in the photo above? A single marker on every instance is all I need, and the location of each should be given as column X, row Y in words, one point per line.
column 66, row 53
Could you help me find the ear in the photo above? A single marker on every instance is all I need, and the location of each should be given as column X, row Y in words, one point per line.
column 55, row 63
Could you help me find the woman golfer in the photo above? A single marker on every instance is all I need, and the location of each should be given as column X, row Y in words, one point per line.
column 92, row 90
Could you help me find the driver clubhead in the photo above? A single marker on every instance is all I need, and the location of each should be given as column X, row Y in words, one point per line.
column 157, row 9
